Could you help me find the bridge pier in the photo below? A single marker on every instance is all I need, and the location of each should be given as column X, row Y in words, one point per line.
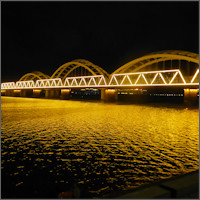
column 9, row 93
column 109, row 95
column 16, row 93
column 52, row 94
column 3, row 92
column 65, row 94
column 37, row 93
column 26, row 93
column 190, row 96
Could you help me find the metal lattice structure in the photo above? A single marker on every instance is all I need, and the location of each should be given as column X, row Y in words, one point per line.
column 156, row 57
column 34, row 76
column 130, row 74
column 64, row 70
column 150, row 78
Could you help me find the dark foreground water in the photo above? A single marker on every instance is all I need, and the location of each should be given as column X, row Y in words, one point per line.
column 47, row 145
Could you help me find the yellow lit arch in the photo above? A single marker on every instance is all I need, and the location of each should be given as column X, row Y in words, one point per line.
column 147, row 60
column 64, row 70
column 34, row 76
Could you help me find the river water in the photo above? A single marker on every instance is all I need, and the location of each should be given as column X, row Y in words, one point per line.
column 47, row 145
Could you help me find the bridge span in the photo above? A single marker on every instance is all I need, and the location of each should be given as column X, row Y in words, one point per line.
column 169, row 69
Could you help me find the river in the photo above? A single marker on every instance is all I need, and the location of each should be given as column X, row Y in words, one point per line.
column 47, row 145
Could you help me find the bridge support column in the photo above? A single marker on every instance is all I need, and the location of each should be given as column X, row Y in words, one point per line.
column 190, row 96
column 109, row 95
column 9, row 93
column 65, row 93
column 3, row 92
column 26, row 93
column 37, row 93
column 52, row 94
column 16, row 93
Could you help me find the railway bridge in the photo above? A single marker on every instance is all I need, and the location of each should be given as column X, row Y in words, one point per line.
column 166, row 71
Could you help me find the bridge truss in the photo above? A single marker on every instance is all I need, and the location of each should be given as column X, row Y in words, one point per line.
column 137, row 79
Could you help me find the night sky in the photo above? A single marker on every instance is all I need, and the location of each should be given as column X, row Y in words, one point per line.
column 44, row 35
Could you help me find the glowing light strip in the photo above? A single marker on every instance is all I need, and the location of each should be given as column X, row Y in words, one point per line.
column 129, row 79
column 173, row 77
column 145, row 79
column 91, row 78
column 116, row 80
column 57, row 82
column 107, row 86
column 94, row 81
column 195, row 75
column 154, row 78
column 161, row 84
column 111, row 80
column 160, row 73
column 43, row 83
column 89, row 81
column 100, row 81
column 66, row 80
column 74, row 80
column 162, row 78
column 123, row 79
column 149, row 72
column 82, row 81
column 182, row 77
column 7, row 85
column 137, row 79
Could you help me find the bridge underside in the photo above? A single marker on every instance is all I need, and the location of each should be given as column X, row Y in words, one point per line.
column 179, row 94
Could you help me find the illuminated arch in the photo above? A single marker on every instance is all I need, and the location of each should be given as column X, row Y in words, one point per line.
column 147, row 60
column 64, row 70
column 34, row 76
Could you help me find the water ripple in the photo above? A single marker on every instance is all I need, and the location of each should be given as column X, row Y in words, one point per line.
column 104, row 147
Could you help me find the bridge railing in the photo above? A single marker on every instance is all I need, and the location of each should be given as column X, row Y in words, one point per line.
column 150, row 78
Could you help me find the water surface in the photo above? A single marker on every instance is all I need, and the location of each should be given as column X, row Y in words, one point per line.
column 104, row 147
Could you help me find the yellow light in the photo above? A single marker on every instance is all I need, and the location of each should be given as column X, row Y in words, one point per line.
column 137, row 79
column 195, row 75
column 98, row 81
column 110, row 90
column 144, row 79
column 65, row 90
column 154, row 78
column 37, row 91
column 182, row 77
column 173, row 77
column 149, row 72
column 162, row 78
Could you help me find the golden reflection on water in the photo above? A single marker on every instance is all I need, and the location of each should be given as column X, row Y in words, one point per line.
column 103, row 146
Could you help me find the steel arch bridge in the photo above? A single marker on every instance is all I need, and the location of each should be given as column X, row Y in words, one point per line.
column 131, row 74
column 156, row 57
column 36, row 75
column 67, row 68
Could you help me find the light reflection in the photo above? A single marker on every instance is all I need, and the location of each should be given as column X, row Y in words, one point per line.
column 103, row 146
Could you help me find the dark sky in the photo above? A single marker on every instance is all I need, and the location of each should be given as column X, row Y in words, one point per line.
column 44, row 35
